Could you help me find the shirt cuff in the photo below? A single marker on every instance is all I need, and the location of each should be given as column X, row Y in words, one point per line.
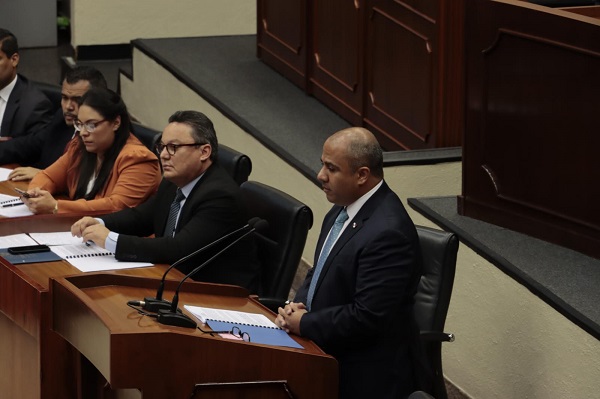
column 111, row 242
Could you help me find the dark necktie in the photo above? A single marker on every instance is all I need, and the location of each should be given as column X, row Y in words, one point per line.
column 173, row 212
column 331, row 239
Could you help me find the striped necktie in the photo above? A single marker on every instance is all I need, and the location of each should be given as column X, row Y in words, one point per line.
column 331, row 239
column 173, row 212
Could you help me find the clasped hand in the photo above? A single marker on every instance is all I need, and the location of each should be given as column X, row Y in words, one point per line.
column 90, row 229
column 289, row 317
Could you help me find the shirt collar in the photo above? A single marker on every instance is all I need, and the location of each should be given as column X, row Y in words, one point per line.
column 5, row 92
column 187, row 189
column 354, row 207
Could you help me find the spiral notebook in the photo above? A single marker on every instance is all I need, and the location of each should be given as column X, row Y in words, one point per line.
column 92, row 258
column 258, row 326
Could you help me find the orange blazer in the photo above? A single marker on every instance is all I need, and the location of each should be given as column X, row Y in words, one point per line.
column 135, row 176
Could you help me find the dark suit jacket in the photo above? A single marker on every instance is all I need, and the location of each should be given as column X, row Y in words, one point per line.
column 27, row 110
column 362, row 308
column 213, row 209
column 40, row 149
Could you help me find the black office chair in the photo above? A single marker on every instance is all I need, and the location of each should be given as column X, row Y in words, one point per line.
column 149, row 137
column 237, row 164
column 280, row 246
column 439, row 249
column 53, row 92
column 420, row 395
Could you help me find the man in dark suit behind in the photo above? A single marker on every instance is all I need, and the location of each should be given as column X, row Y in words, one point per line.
column 24, row 109
column 356, row 303
column 211, row 207
column 41, row 149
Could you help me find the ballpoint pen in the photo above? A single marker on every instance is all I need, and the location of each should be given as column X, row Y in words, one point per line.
column 15, row 204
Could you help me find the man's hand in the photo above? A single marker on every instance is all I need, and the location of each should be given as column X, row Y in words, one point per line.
column 289, row 317
column 80, row 225
column 23, row 173
column 96, row 233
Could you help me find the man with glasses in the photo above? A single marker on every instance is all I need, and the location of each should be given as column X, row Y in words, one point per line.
column 196, row 204
column 41, row 149
column 356, row 303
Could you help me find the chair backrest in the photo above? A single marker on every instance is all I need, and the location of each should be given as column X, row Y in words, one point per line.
column 235, row 163
column 438, row 250
column 53, row 92
column 280, row 246
column 149, row 137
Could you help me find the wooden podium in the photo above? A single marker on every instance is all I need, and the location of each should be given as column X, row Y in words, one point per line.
column 137, row 354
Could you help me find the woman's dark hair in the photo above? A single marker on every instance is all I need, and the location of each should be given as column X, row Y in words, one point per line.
column 110, row 105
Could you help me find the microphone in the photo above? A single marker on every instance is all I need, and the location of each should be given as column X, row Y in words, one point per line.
column 171, row 316
column 154, row 304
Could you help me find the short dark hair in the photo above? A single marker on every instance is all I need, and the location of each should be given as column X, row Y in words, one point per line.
column 203, row 130
column 8, row 43
column 87, row 73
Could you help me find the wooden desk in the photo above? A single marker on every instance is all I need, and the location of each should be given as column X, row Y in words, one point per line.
column 136, row 352
column 34, row 361
column 37, row 362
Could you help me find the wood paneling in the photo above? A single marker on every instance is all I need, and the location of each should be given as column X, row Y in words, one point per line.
column 337, row 56
column 281, row 37
column 395, row 67
column 529, row 158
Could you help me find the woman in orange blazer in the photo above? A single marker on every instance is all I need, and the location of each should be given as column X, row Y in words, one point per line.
column 105, row 168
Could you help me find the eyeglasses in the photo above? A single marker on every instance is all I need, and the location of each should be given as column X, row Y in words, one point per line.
column 88, row 126
column 172, row 148
column 235, row 331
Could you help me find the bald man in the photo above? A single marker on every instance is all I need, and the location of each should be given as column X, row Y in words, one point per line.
column 356, row 302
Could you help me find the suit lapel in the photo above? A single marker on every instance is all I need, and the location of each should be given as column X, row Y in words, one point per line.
column 11, row 108
column 350, row 231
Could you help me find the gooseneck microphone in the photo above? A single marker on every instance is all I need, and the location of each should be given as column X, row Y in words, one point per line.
column 174, row 318
column 154, row 304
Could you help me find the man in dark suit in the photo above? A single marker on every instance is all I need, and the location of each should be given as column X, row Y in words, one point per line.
column 196, row 203
column 356, row 302
column 24, row 109
column 41, row 149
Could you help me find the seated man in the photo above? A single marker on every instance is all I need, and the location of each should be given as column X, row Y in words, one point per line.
column 24, row 109
column 41, row 149
column 197, row 202
column 356, row 303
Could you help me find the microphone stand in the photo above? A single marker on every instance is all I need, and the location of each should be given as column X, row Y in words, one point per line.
column 170, row 316
column 155, row 304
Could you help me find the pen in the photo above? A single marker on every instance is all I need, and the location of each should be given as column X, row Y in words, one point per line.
column 15, row 204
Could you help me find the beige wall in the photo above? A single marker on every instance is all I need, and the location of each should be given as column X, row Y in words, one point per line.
column 509, row 343
column 120, row 21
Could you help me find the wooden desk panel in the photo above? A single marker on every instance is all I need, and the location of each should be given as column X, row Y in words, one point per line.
column 137, row 352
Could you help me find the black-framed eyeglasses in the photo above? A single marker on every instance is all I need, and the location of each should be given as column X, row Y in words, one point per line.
column 172, row 148
column 235, row 331
column 88, row 126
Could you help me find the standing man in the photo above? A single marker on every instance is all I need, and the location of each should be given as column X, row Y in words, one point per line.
column 41, row 149
column 196, row 203
column 357, row 302
column 24, row 109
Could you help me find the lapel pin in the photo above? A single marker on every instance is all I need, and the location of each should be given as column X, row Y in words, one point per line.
column 354, row 225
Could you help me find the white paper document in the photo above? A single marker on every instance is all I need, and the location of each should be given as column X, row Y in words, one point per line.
column 92, row 258
column 4, row 172
column 231, row 316
column 16, row 240
column 57, row 238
